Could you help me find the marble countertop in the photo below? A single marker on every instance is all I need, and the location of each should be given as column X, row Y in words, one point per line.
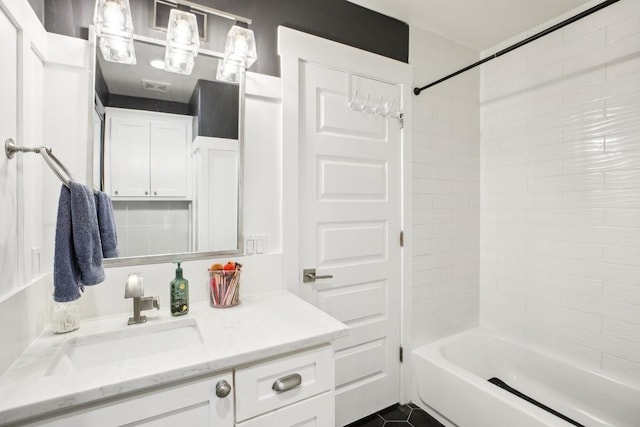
column 260, row 327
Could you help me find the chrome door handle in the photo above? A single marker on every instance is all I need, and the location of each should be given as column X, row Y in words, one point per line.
column 309, row 275
column 287, row 383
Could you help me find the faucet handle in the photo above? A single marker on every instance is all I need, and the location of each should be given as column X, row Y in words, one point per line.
column 134, row 287
column 156, row 303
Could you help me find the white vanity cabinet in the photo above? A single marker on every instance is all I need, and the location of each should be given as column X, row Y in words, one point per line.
column 147, row 155
column 274, row 351
column 193, row 403
column 291, row 390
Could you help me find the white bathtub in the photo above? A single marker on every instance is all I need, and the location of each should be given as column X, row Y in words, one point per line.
column 452, row 384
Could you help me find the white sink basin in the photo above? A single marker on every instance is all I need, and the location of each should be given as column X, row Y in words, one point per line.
column 128, row 343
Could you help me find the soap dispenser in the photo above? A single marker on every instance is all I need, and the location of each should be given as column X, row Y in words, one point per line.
column 179, row 294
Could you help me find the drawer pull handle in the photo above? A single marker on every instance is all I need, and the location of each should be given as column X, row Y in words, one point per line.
column 287, row 383
column 223, row 388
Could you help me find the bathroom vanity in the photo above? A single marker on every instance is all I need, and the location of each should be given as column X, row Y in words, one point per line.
column 267, row 361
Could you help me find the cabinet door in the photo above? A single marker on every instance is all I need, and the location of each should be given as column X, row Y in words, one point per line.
column 168, row 159
column 190, row 404
column 129, row 157
column 216, row 162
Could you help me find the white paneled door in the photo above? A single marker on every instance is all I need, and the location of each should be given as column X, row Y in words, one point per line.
column 350, row 224
column 350, row 214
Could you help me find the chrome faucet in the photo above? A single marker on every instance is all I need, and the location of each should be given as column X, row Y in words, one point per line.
column 134, row 288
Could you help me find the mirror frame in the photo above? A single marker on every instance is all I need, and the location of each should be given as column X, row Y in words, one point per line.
column 182, row 256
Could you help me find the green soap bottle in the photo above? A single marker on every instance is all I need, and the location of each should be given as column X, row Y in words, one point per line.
column 179, row 294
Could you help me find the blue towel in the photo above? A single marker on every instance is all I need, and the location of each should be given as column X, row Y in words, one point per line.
column 78, row 250
column 107, row 225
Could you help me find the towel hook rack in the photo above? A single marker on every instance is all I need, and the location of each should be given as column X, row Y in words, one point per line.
column 363, row 107
column 351, row 102
column 377, row 110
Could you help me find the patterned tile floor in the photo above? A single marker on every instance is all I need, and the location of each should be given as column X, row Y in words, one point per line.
column 398, row 416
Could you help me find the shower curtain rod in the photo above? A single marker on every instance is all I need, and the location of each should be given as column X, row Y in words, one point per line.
column 536, row 36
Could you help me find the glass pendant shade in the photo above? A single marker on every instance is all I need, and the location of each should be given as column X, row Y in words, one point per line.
column 228, row 72
column 118, row 49
column 182, row 42
column 113, row 24
column 240, row 48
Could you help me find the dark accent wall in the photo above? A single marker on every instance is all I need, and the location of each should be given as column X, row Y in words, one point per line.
column 38, row 8
column 101, row 89
column 336, row 20
column 216, row 106
column 148, row 104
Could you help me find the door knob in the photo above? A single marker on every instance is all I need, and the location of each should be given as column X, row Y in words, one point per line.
column 309, row 275
column 223, row 388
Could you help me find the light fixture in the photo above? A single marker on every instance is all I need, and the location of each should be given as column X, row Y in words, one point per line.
column 239, row 54
column 240, row 48
column 113, row 24
column 157, row 63
column 182, row 42
column 228, row 72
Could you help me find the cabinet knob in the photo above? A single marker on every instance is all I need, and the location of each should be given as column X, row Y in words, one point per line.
column 146, row 193
column 223, row 388
column 116, row 192
column 155, row 193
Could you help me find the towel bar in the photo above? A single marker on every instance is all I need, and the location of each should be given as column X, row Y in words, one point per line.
column 10, row 149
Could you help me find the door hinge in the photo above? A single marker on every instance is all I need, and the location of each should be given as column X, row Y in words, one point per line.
column 402, row 238
column 401, row 355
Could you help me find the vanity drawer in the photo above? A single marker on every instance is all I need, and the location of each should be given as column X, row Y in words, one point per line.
column 255, row 384
column 317, row 411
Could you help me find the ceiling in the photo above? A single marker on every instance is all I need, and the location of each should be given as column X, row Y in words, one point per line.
column 479, row 24
column 143, row 81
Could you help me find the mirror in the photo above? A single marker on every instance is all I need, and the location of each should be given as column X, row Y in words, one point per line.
column 181, row 132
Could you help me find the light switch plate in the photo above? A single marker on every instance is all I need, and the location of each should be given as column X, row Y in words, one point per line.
column 250, row 246
column 254, row 244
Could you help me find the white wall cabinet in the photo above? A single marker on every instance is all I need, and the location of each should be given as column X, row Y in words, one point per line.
column 189, row 404
column 216, row 181
column 147, row 155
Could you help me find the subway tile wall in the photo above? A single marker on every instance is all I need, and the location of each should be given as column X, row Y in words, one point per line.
column 152, row 227
column 560, row 191
column 446, row 176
